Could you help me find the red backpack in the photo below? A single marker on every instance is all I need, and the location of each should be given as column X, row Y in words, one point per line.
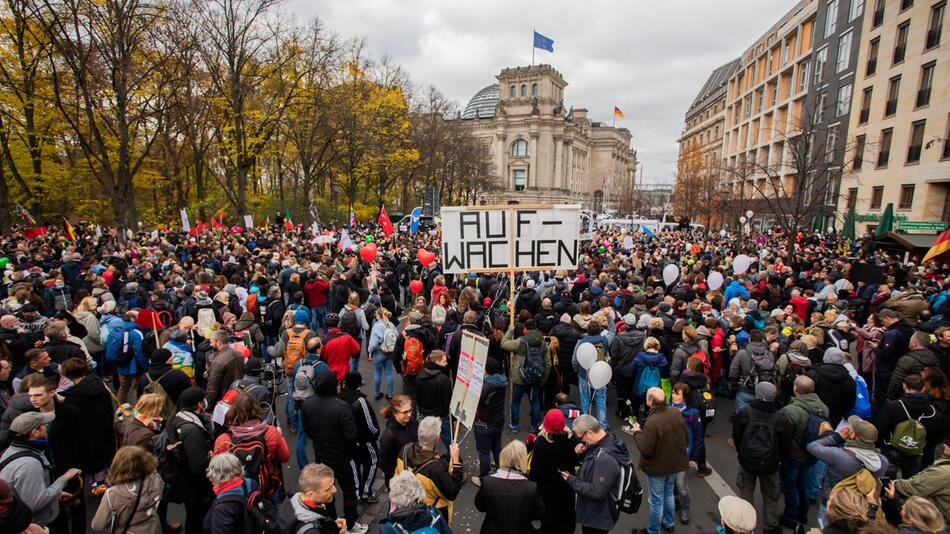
column 701, row 356
column 414, row 355
column 252, row 452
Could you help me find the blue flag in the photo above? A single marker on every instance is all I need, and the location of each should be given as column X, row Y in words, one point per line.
column 543, row 42
column 648, row 232
column 415, row 220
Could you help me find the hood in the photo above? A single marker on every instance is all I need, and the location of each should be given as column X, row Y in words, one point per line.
column 243, row 324
column 690, row 346
column 630, row 339
column 799, row 359
column 349, row 395
column 420, row 332
column 527, row 292
column 325, row 383
column 248, row 429
column 765, row 406
column 90, row 387
column 868, row 457
column 304, row 514
column 411, row 518
column 811, row 403
column 616, row 448
column 759, row 353
column 694, row 379
column 650, row 358
column 431, row 371
column 834, row 372
column 533, row 337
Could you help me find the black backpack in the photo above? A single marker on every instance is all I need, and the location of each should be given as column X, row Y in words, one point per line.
column 787, row 381
column 172, row 464
column 758, row 447
column 260, row 514
column 349, row 323
column 630, row 494
column 532, row 367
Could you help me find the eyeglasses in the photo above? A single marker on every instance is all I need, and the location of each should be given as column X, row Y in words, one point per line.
column 581, row 437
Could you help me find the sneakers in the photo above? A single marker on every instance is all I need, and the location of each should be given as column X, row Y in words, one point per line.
column 684, row 517
column 477, row 481
column 379, row 396
column 358, row 528
column 800, row 529
column 703, row 471
column 514, row 429
column 669, row 530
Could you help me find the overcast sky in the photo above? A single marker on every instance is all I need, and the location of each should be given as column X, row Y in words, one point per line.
column 647, row 57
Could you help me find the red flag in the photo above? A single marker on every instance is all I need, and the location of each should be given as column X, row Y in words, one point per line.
column 940, row 246
column 217, row 224
column 33, row 233
column 385, row 223
column 70, row 233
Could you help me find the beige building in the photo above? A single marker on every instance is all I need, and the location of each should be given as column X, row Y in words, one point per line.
column 542, row 152
column 706, row 117
column 900, row 116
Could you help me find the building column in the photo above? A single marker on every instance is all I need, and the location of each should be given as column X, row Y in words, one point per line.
column 556, row 180
column 534, row 176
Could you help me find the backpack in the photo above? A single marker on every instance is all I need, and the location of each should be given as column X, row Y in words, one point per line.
column 701, row 356
column 155, row 387
column 705, row 402
column 649, row 378
column 532, row 367
column 260, row 514
column 432, row 528
column 787, row 380
column 862, row 399
column 812, row 431
column 303, row 381
column 630, row 494
column 757, row 449
column 757, row 374
column 252, row 451
column 414, row 355
column 863, row 482
column 448, row 339
column 119, row 345
column 909, row 436
column 295, row 350
column 172, row 464
column 390, row 336
column 349, row 323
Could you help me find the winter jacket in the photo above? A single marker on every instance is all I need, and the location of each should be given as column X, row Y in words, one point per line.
column 528, row 299
column 227, row 512
column 61, row 350
column 94, row 402
column 597, row 480
column 567, row 338
column 642, row 361
column 30, row 476
column 753, row 361
column 663, row 442
column 455, row 344
column 316, row 292
column 394, row 437
column 894, row 345
column 277, row 450
column 173, row 381
column 931, row 483
column 694, row 427
column 846, row 458
column 414, row 518
column 918, row 406
column 364, row 414
column 139, row 362
column 377, row 336
column 192, row 430
column 273, row 315
column 491, row 403
column 510, row 502
column 119, row 500
column 224, row 367
column 624, row 348
column 18, row 344
column 835, row 387
column 328, row 422
column 532, row 338
column 735, row 289
column 552, row 454
column 293, row 515
column 338, row 348
column 433, row 391
column 446, row 478
column 92, row 340
column 914, row 362
column 791, row 421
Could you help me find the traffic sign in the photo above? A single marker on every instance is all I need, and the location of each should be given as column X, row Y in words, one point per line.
column 761, row 240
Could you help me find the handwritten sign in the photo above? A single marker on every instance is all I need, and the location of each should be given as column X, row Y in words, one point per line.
column 469, row 378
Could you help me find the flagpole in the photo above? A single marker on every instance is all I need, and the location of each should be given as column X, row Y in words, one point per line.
column 533, row 31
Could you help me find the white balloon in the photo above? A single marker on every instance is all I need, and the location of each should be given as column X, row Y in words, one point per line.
column 748, row 214
column 722, row 232
column 714, row 280
column 599, row 374
column 586, row 355
column 742, row 219
column 741, row 264
column 670, row 273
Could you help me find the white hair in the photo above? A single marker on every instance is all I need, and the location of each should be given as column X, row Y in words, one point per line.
column 224, row 467
column 405, row 490
column 429, row 430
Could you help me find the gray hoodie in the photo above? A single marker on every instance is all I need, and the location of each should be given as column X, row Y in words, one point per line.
column 754, row 359
column 30, row 477
column 844, row 459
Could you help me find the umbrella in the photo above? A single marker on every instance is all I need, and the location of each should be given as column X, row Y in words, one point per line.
column 887, row 221
column 848, row 231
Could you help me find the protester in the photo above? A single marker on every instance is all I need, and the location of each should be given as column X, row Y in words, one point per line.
column 434, row 392
column 599, row 476
column 441, row 476
column 409, row 512
column 226, row 514
column 490, row 419
column 131, row 502
column 530, row 369
column 737, row 515
column 191, row 428
column 306, row 511
column 367, row 433
column 754, row 437
column 510, row 501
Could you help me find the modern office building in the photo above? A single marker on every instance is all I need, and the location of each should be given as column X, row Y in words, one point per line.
column 706, row 117
column 543, row 152
column 900, row 123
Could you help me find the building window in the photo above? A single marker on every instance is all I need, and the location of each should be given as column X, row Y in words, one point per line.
column 934, row 27
column 820, row 58
column 906, row 4
column 878, row 13
column 916, row 141
column 844, row 52
column 802, row 75
column 831, row 17
column 820, row 103
column 831, row 142
column 857, row 8
column 893, row 89
column 884, row 151
column 511, row 91
column 872, row 57
column 926, row 82
column 519, row 148
column 900, row 43
column 859, row 143
column 852, row 198
column 844, row 99
column 761, row 97
column 519, row 179
column 534, row 89
column 907, row 197
column 865, row 105
column 877, row 197
column 946, row 140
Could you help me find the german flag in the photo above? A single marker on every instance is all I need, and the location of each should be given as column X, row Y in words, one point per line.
column 941, row 245
column 70, row 233
column 617, row 113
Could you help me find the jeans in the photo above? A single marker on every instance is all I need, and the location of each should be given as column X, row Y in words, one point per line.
column 600, row 399
column 534, row 396
column 446, row 433
column 488, row 445
column 743, row 398
column 302, row 460
column 768, row 484
column 662, row 504
column 355, row 364
column 815, row 479
column 269, row 341
column 882, row 377
column 795, row 475
column 383, row 364
column 682, row 489
column 318, row 316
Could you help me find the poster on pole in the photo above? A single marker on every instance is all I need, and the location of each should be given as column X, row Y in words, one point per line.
column 468, row 381
column 483, row 238
column 249, row 221
column 185, row 224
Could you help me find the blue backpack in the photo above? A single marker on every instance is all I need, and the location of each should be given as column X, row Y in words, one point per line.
column 862, row 400
column 432, row 528
column 649, row 378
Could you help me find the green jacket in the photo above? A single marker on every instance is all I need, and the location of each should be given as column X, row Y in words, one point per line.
column 533, row 338
column 930, row 483
column 790, row 426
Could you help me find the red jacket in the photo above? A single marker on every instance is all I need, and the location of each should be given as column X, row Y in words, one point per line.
column 315, row 292
column 277, row 450
column 801, row 308
column 338, row 351
column 720, row 346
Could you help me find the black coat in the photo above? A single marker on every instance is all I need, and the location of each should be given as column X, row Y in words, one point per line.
column 18, row 344
column 491, row 403
column 195, row 446
column 434, row 390
column 364, row 415
column 392, row 440
column 273, row 315
column 69, row 438
column 919, row 406
column 61, row 350
column 509, row 504
column 173, row 381
column 328, row 422
column 548, row 458
column 835, row 388
column 92, row 398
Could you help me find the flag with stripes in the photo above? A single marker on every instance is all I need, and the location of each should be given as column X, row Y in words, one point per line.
column 26, row 215
column 940, row 246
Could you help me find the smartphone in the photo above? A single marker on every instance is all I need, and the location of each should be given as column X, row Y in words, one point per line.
column 885, row 482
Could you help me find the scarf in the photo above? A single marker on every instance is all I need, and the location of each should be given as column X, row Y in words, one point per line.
column 864, row 453
column 227, row 485
column 152, row 423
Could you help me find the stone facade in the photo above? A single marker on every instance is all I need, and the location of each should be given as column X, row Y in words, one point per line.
column 544, row 153
column 706, row 117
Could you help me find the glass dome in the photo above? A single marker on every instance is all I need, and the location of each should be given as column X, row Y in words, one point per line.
column 482, row 105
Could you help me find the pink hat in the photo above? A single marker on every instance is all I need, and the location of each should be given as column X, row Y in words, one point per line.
column 553, row 421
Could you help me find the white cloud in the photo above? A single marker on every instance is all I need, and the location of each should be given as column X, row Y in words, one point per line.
column 647, row 57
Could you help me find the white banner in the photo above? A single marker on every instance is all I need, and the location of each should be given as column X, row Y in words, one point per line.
column 185, row 224
column 249, row 221
column 478, row 239
column 470, row 377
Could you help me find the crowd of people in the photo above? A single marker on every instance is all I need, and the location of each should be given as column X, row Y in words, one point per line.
column 174, row 369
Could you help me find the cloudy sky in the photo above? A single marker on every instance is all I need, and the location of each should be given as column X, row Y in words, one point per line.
column 647, row 57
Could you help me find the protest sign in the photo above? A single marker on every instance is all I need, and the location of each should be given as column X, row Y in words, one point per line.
column 503, row 238
column 468, row 380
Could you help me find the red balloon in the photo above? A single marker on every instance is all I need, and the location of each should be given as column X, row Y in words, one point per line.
column 425, row 257
column 368, row 252
column 416, row 286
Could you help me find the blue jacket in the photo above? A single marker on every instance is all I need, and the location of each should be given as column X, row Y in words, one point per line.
column 694, row 429
column 376, row 337
column 648, row 359
column 139, row 363
column 937, row 301
column 735, row 289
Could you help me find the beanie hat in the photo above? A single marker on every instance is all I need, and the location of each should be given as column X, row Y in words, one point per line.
column 765, row 391
column 160, row 356
column 191, row 398
column 553, row 421
column 301, row 316
column 833, row 355
column 253, row 366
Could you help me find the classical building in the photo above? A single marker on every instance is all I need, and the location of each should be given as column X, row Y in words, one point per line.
column 542, row 152
column 900, row 126
column 706, row 117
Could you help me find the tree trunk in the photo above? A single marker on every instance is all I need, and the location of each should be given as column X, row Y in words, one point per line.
column 4, row 202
